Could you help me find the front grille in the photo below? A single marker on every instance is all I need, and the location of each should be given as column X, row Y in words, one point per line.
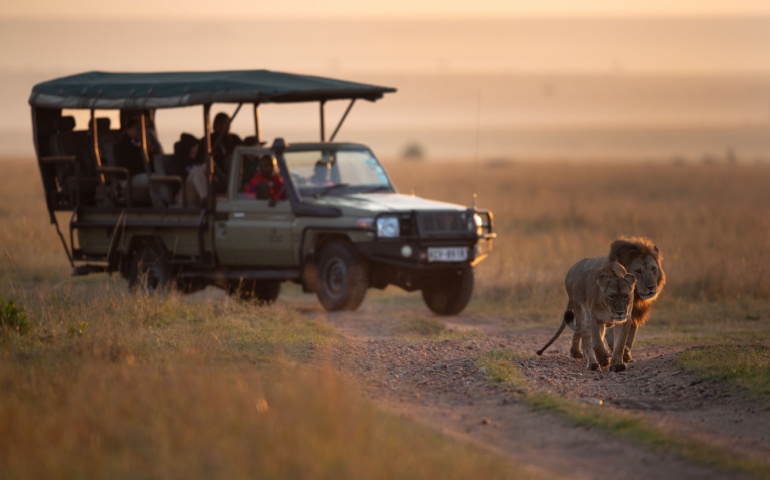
column 442, row 223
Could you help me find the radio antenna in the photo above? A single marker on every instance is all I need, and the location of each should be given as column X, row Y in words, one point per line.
column 478, row 122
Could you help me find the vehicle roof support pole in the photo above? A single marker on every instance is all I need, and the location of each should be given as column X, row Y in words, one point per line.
column 145, row 152
column 342, row 120
column 257, row 130
column 147, row 160
column 323, row 121
column 95, row 138
column 209, row 160
column 61, row 237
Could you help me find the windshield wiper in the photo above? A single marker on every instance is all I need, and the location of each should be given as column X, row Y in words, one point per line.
column 331, row 188
column 378, row 188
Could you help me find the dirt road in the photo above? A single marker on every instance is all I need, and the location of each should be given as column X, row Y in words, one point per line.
column 440, row 384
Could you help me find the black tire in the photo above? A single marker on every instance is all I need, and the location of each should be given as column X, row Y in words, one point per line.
column 342, row 277
column 263, row 292
column 149, row 271
column 450, row 292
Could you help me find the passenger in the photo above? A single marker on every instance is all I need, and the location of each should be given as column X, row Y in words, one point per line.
column 184, row 164
column 222, row 145
column 185, row 155
column 321, row 173
column 129, row 155
column 267, row 183
column 152, row 134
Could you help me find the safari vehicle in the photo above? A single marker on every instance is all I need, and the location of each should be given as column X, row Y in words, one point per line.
column 338, row 239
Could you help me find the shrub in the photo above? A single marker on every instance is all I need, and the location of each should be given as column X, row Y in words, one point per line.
column 12, row 317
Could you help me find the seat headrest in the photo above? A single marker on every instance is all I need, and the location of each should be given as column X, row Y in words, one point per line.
column 102, row 124
column 66, row 124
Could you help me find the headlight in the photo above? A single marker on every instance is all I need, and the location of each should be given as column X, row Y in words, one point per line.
column 387, row 227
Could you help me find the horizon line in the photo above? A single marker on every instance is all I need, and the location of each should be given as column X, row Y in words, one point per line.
column 400, row 17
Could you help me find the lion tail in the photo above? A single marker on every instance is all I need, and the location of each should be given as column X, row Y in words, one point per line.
column 569, row 319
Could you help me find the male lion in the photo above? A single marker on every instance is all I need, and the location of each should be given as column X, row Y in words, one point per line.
column 642, row 259
column 600, row 296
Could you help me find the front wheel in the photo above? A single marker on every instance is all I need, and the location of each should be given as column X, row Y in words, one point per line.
column 342, row 277
column 450, row 292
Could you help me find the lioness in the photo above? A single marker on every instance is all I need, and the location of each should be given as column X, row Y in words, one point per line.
column 600, row 296
column 642, row 259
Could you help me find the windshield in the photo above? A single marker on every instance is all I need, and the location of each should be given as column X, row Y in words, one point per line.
column 336, row 172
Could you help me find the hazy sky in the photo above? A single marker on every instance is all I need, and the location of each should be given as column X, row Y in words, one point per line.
column 460, row 67
column 168, row 9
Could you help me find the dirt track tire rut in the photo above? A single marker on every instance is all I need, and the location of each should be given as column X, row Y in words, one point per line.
column 440, row 384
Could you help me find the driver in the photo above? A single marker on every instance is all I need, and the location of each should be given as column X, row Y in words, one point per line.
column 320, row 175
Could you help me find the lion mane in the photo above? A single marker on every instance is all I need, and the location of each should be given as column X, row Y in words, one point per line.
column 631, row 253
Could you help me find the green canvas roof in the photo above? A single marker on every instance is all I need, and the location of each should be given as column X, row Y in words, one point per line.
column 106, row 90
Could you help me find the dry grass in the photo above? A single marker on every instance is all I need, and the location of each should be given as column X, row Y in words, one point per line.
column 113, row 385
column 709, row 221
column 110, row 385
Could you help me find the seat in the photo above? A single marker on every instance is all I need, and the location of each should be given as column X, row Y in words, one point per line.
column 166, row 186
column 107, row 138
column 73, row 164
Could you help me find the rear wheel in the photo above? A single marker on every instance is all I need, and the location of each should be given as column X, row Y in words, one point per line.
column 264, row 292
column 342, row 277
column 149, row 270
column 449, row 293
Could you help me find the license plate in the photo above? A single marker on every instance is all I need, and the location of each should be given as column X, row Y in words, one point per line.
column 448, row 254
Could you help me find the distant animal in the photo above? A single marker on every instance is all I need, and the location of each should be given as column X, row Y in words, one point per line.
column 600, row 295
column 642, row 259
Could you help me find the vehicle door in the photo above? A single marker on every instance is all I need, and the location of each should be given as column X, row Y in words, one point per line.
column 249, row 231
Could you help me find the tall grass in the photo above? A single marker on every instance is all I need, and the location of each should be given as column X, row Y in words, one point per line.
column 709, row 222
column 113, row 385
column 107, row 384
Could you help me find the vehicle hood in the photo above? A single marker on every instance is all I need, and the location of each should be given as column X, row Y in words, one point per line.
column 374, row 203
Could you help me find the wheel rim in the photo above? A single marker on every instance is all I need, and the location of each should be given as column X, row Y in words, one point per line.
column 151, row 276
column 149, row 272
column 336, row 277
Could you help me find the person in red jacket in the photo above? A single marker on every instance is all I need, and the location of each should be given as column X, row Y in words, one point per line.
column 267, row 183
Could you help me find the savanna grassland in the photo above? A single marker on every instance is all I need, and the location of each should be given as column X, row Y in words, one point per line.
column 107, row 384
column 708, row 220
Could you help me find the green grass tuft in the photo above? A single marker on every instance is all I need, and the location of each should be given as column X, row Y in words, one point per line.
column 13, row 318
column 747, row 366
column 500, row 368
column 627, row 426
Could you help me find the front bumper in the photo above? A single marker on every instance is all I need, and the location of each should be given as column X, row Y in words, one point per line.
column 422, row 231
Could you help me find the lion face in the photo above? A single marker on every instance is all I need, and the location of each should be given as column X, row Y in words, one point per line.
column 648, row 273
column 618, row 294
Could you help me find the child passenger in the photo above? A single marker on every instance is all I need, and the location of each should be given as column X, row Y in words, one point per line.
column 267, row 183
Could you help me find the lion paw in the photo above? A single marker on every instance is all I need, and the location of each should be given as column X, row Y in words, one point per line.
column 618, row 368
column 593, row 366
column 577, row 355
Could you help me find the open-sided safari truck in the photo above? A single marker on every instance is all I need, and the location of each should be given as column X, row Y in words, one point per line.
column 337, row 238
